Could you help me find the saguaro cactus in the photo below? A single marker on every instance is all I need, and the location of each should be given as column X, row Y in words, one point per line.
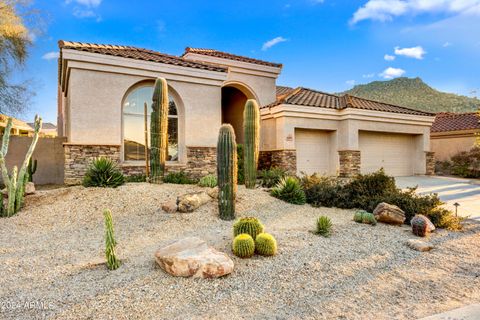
column 159, row 131
column 251, row 127
column 16, row 182
column 110, row 243
column 226, row 172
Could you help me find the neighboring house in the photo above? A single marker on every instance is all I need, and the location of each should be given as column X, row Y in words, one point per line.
column 48, row 130
column 452, row 133
column 103, row 88
column 19, row 127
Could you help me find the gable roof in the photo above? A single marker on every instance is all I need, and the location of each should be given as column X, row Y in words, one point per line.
column 229, row 56
column 314, row 98
column 445, row 122
column 137, row 54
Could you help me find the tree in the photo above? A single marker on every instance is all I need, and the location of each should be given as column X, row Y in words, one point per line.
column 14, row 43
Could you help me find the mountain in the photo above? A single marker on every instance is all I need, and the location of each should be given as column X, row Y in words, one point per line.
column 416, row 94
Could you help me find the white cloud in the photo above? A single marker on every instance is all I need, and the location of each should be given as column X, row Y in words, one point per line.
column 391, row 73
column 350, row 82
column 446, row 44
column 414, row 52
column 87, row 3
column 389, row 57
column 51, row 55
column 270, row 43
column 85, row 8
column 386, row 10
column 368, row 75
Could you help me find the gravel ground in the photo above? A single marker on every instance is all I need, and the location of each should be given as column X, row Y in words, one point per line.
column 51, row 257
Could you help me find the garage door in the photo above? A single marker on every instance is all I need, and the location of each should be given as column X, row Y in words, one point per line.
column 393, row 152
column 313, row 151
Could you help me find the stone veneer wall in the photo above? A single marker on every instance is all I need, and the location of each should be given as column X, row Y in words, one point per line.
column 285, row 159
column 78, row 157
column 349, row 163
column 430, row 158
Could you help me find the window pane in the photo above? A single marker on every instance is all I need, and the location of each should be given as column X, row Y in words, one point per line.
column 172, row 139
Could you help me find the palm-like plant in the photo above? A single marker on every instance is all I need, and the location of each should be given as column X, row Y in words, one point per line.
column 289, row 190
column 103, row 172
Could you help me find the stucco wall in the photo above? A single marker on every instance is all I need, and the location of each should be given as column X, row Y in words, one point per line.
column 263, row 88
column 447, row 146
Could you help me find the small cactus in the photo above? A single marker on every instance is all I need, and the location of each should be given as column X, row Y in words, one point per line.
column 363, row 216
column 248, row 225
column 31, row 169
column 243, row 246
column 251, row 128
column 110, row 243
column 419, row 226
column 226, row 172
column 265, row 244
column 324, row 226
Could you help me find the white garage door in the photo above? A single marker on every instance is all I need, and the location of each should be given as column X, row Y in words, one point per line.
column 393, row 152
column 313, row 151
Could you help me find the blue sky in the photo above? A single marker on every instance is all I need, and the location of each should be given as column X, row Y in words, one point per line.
column 328, row 45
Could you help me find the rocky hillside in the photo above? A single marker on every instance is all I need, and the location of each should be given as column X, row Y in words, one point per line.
column 414, row 93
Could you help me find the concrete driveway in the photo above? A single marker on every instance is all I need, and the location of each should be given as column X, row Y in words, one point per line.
column 466, row 192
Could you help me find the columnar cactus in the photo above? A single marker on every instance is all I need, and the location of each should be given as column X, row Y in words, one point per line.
column 243, row 246
column 419, row 225
column 265, row 244
column 159, row 131
column 31, row 169
column 16, row 182
column 110, row 243
column 248, row 225
column 251, row 127
column 226, row 172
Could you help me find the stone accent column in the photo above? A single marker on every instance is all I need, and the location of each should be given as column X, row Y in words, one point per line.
column 78, row 157
column 430, row 158
column 349, row 163
column 285, row 159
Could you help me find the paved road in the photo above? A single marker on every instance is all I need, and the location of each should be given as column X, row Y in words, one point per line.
column 471, row 312
column 450, row 190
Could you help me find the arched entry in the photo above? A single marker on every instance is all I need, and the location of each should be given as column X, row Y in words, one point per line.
column 234, row 97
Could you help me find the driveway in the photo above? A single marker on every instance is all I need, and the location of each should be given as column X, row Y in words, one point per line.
column 466, row 192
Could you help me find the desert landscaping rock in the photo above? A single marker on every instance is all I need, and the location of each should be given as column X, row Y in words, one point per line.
column 170, row 206
column 389, row 213
column 191, row 201
column 430, row 225
column 213, row 192
column 192, row 257
column 48, row 250
column 29, row 189
column 419, row 245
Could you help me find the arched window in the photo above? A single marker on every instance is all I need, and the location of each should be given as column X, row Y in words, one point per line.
column 134, row 124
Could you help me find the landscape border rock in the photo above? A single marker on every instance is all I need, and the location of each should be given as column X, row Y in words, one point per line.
column 389, row 213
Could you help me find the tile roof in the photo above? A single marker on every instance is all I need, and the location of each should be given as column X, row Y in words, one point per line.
column 281, row 90
column 445, row 122
column 313, row 98
column 225, row 55
column 16, row 123
column 137, row 54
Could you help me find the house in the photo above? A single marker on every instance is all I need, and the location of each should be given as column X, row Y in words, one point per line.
column 48, row 129
column 19, row 127
column 103, row 89
column 452, row 133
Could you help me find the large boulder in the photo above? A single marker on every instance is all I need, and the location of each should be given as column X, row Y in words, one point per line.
column 430, row 225
column 389, row 213
column 192, row 257
column 191, row 201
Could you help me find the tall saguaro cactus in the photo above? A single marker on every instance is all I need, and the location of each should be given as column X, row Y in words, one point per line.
column 251, row 128
column 16, row 182
column 226, row 172
column 159, row 131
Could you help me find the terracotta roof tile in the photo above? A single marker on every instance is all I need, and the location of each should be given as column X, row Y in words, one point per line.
column 225, row 55
column 137, row 54
column 281, row 90
column 445, row 122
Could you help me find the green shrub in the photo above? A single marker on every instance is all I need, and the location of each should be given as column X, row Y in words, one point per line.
column 466, row 164
column 241, row 170
column 110, row 243
column 243, row 246
column 208, row 181
column 289, row 190
column 136, row 178
column 322, row 191
column 443, row 218
column 103, row 172
column 178, row 178
column 270, row 177
column 324, row 226
column 265, row 244
column 249, row 225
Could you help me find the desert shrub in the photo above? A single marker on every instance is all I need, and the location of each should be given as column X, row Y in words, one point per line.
column 443, row 167
column 445, row 219
column 178, row 178
column 240, row 166
column 324, row 226
column 466, row 164
column 243, row 246
column 321, row 191
column 289, row 190
column 136, row 178
column 265, row 244
column 208, row 181
column 103, row 172
column 249, row 225
column 270, row 177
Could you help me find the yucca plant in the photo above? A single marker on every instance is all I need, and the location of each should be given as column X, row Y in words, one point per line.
column 324, row 226
column 103, row 172
column 243, row 246
column 110, row 243
column 289, row 190
column 265, row 244
column 208, row 181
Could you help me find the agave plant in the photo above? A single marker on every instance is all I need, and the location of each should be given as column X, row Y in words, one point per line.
column 324, row 226
column 103, row 172
column 289, row 190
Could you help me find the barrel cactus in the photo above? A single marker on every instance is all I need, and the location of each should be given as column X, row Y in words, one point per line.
column 248, row 225
column 251, row 127
column 243, row 246
column 265, row 244
column 419, row 225
column 159, row 131
column 226, row 172
column 363, row 216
